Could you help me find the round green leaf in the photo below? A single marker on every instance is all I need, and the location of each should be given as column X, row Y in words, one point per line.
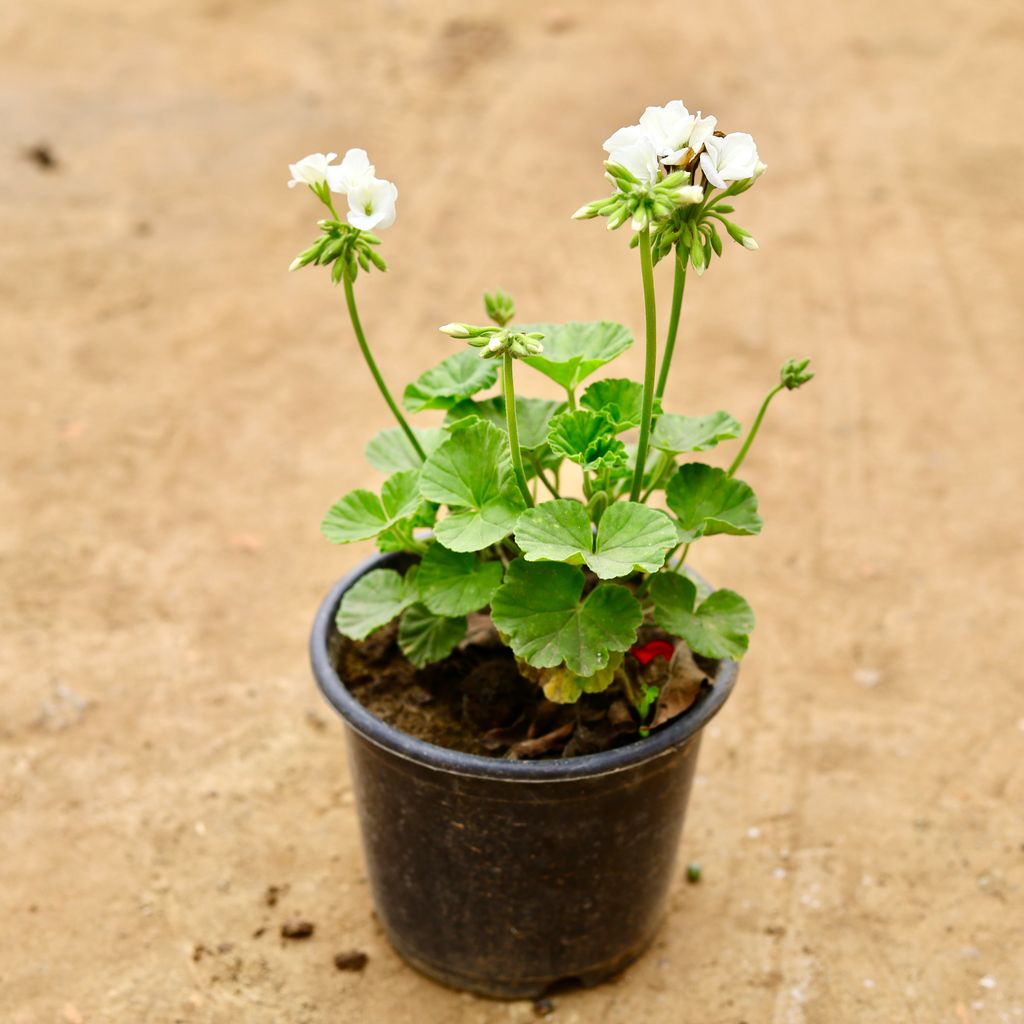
column 458, row 376
column 555, row 531
column 574, row 350
column 374, row 600
column 390, row 450
column 361, row 514
column 472, row 474
column 425, row 637
column 539, row 609
column 708, row 501
column 619, row 399
column 631, row 537
column 533, row 415
column 676, row 434
column 456, row 583
column 720, row 625
column 587, row 438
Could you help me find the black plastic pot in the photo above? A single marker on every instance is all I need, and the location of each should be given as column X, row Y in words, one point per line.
column 508, row 877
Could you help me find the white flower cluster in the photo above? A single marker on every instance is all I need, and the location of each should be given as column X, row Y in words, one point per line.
column 673, row 137
column 371, row 200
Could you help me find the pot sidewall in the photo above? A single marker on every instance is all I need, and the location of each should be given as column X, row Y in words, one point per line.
column 505, row 877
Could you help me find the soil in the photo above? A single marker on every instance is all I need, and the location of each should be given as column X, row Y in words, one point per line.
column 476, row 700
column 177, row 412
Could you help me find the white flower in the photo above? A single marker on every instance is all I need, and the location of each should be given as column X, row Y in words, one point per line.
column 371, row 204
column 311, row 170
column 730, row 159
column 354, row 170
column 702, row 130
column 639, row 158
column 624, row 137
column 671, row 129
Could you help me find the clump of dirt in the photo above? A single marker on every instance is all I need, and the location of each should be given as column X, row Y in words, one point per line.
column 479, row 702
column 351, row 960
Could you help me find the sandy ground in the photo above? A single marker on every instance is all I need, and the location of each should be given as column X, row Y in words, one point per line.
column 177, row 412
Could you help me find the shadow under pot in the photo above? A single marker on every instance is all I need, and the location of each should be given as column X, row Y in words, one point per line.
column 506, row 878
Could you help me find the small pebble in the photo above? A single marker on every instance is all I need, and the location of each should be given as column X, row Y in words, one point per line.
column 297, row 929
column 753, row 832
column 351, row 960
column 869, row 677
column 543, row 1007
column 987, row 982
column 693, row 873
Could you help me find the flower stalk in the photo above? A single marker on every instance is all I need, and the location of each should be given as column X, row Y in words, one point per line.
column 357, row 327
column 509, row 391
column 678, row 287
column 794, row 374
column 651, row 358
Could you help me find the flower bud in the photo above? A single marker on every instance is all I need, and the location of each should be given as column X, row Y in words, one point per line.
column 794, row 373
column 689, row 195
column 456, row 330
column 741, row 235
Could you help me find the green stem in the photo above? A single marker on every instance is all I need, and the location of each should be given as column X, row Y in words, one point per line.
column 682, row 557
column 647, row 272
column 509, row 391
column 350, row 298
column 752, row 433
column 678, row 287
column 571, row 397
column 538, row 470
column 659, row 473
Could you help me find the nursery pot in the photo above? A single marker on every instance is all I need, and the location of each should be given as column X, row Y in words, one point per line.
column 507, row 877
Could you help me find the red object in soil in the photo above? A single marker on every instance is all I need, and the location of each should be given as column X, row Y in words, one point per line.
column 646, row 653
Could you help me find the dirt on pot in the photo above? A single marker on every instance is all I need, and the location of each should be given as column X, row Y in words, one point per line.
column 478, row 701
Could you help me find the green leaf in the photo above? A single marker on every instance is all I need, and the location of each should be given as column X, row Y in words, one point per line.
column 720, row 625
column 538, row 608
column 389, row 451
column 676, row 434
column 555, row 531
column 455, row 583
column 587, row 438
column 361, row 514
column 620, row 400
column 374, row 600
column 458, row 376
column 425, row 637
column 708, row 501
column 472, row 474
column 575, row 350
column 630, row 537
column 533, row 415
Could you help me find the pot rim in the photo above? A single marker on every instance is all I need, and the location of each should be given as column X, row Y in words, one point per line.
column 456, row 762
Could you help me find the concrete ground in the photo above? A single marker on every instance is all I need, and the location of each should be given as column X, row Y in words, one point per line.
column 177, row 412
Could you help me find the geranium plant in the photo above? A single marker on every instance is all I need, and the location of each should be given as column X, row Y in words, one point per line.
column 570, row 564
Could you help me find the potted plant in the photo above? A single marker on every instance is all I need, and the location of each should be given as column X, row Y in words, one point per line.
column 526, row 667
